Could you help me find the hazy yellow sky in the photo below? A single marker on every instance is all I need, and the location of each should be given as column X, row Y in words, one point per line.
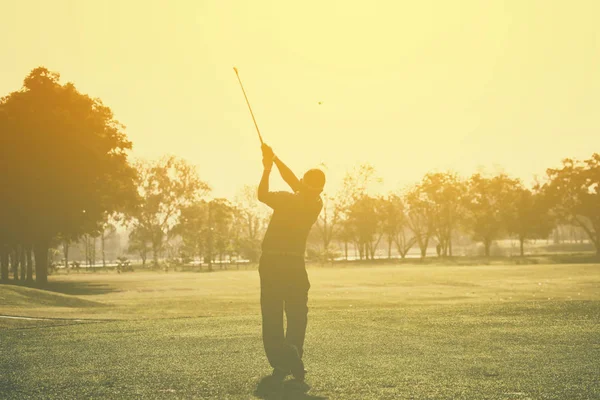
column 409, row 86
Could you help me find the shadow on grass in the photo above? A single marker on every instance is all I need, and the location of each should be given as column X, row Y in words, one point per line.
column 266, row 389
column 79, row 288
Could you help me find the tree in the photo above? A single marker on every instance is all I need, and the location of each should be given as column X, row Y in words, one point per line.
column 205, row 228
column 358, row 211
column 165, row 187
column 108, row 230
column 139, row 242
column 327, row 225
column 444, row 192
column 219, row 227
column 573, row 191
column 44, row 199
column 395, row 224
column 420, row 217
column 251, row 221
column 487, row 206
column 365, row 218
column 527, row 216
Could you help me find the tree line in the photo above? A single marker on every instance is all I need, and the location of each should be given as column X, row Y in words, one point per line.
column 443, row 205
column 66, row 176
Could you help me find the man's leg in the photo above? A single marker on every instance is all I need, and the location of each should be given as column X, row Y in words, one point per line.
column 296, row 311
column 271, row 304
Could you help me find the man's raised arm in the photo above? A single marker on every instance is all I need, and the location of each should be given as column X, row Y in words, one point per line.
column 287, row 174
column 263, row 186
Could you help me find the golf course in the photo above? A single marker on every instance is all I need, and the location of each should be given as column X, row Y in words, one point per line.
column 375, row 332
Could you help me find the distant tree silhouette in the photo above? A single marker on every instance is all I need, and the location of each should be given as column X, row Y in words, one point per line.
column 395, row 225
column 327, row 225
column 108, row 229
column 251, row 221
column 359, row 211
column 191, row 228
column 487, row 206
column 65, row 165
column 140, row 242
column 218, row 232
column 165, row 187
column 527, row 216
column 420, row 217
column 573, row 191
column 444, row 192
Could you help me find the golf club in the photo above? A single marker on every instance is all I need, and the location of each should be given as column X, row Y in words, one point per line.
column 247, row 102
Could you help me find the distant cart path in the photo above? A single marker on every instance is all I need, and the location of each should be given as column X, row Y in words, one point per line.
column 48, row 319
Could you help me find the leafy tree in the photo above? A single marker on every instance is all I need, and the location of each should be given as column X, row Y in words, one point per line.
column 140, row 242
column 574, row 194
column 220, row 217
column 327, row 225
column 528, row 216
column 251, row 221
column 345, row 233
column 395, row 224
column 192, row 222
column 165, row 187
column 358, row 210
column 487, row 206
column 365, row 217
column 108, row 230
column 420, row 217
column 444, row 192
column 46, row 197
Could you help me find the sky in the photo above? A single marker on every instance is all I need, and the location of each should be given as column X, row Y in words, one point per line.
column 409, row 87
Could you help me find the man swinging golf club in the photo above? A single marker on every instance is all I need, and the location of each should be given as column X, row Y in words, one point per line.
column 283, row 278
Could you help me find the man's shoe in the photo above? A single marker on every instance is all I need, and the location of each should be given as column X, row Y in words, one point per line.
column 295, row 363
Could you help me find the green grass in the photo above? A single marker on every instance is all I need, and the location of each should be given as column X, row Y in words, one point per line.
column 375, row 332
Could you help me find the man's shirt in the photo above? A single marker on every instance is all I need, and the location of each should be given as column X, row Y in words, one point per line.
column 293, row 216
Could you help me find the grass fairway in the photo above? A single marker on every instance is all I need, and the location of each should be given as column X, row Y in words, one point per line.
column 384, row 332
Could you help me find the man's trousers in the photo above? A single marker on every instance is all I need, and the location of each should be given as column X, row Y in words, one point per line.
column 284, row 287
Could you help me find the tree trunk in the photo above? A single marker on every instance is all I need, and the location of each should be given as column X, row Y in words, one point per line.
column 4, row 263
column 87, row 250
column 155, row 253
column 93, row 253
column 14, row 263
column 40, row 250
column 325, row 243
column 66, row 254
column 346, row 249
column 487, row 244
column 29, row 264
column 389, row 248
column 102, row 246
column 521, row 241
column 22, row 252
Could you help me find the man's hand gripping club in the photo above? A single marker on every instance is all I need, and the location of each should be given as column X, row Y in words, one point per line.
column 288, row 176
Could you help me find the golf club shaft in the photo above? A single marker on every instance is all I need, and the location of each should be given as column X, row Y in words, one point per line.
column 247, row 102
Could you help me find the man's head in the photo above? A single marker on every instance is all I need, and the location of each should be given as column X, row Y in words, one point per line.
column 314, row 181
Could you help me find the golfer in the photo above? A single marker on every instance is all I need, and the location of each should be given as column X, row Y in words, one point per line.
column 283, row 278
